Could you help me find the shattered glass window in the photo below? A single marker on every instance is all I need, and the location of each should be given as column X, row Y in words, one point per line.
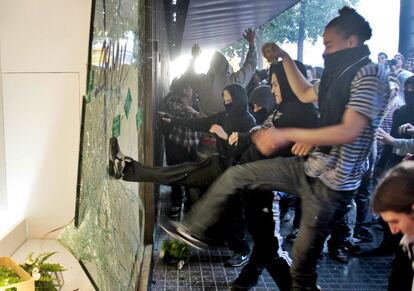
column 107, row 234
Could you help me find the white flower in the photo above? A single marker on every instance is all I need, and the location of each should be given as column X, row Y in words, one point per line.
column 29, row 262
column 36, row 276
column 35, row 270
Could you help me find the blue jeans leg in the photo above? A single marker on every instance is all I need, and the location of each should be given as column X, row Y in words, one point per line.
column 321, row 208
column 279, row 173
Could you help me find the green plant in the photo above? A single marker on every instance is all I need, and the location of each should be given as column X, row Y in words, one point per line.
column 174, row 252
column 42, row 272
column 8, row 277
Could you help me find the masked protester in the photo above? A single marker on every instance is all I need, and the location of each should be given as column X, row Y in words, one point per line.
column 262, row 102
column 405, row 114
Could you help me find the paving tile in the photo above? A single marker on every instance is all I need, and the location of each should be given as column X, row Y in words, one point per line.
column 205, row 270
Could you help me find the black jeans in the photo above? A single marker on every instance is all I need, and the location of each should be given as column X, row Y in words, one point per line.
column 189, row 174
column 176, row 154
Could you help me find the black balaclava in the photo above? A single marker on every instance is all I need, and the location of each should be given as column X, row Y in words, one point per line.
column 238, row 106
column 262, row 96
column 409, row 95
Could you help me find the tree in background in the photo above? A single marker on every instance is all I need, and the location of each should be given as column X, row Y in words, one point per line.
column 303, row 21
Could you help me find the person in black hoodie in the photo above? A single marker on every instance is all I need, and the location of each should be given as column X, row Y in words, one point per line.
column 260, row 105
column 236, row 117
column 291, row 112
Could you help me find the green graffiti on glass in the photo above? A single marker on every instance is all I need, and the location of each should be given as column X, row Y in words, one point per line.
column 116, row 126
column 87, row 98
column 127, row 105
column 139, row 117
column 91, row 85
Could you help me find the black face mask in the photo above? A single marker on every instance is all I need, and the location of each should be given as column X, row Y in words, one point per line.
column 409, row 98
column 228, row 107
column 260, row 116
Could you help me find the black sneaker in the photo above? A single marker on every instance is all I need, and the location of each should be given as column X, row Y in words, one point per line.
column 365, row 236
column 237, row 260
column 247, row 279
column 117, row 160
column 338, row 255
column 293, row 234
column 182, row 233
column 352, row 248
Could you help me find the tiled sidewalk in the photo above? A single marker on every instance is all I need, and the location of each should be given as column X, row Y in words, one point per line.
column 205, row 270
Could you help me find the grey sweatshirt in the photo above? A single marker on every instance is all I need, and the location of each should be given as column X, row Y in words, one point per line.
column 210, row 86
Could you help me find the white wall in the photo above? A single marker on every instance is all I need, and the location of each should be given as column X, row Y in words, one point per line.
column 43, row 58
column 3, row 191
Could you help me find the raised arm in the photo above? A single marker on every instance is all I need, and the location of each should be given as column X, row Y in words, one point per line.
column 353, row 123
column 195, row 53
column 245, row 74
column 299, row 84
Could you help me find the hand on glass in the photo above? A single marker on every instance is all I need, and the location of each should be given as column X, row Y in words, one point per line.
column 217, row 129
column 234, row 138
column 302, row 149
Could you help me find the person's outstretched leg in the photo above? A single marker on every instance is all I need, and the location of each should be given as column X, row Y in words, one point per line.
column 191, row 174
column 284, row 174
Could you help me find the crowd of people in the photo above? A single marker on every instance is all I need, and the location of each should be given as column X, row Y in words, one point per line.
column 319, row 140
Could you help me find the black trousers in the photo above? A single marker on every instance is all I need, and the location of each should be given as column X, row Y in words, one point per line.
column 231, row 226
column 401, row 277
column 176, row 154
column 261, row 226
column 189, row 174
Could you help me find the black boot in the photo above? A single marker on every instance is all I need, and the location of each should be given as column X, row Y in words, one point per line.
column 117, row 161
column 247, row 278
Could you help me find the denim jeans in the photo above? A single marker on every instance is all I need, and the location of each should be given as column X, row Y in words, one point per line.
column 322, row 207
column 362, row 199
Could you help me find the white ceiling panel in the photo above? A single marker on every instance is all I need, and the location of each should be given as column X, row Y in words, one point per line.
column 218, row 23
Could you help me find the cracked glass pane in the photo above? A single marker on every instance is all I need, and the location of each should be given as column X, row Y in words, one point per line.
column 107, row 235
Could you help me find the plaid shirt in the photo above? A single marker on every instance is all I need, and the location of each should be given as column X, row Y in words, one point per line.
column 180, row 135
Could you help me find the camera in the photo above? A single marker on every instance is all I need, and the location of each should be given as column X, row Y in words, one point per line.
column 391, row 62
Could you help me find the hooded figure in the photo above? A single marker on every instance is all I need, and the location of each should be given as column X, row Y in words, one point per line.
column 402, row 115
column 289, row 112
column 235, row 118
column 238, row 108
column 262, row 96
column 210, row 86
